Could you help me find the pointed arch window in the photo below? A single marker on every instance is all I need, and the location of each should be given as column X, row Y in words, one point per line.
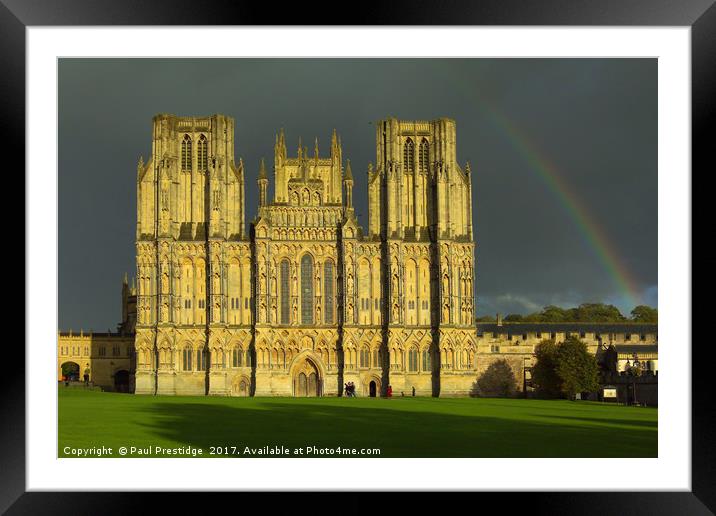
column 186, row 153
column 201, row 359
column 413, row 359
column 201, row 153
column 328, row 291
column 409, row 155
column 364, row 357
column 285, row 301
column 237, row 357
column 427, row 362
column 186, row 358
column 307, row 289
column 424, row 155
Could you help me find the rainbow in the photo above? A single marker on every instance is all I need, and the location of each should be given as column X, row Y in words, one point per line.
column 592, row 234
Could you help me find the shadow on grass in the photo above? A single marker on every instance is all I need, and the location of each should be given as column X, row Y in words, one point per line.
column 647, row 424
column 398, row 433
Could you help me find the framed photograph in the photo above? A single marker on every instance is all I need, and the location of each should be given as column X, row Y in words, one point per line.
column 420, row 254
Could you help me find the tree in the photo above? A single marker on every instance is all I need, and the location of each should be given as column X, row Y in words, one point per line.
column 564, row 369
column 597, row 312
column 497, row 380
column 552, row 313
column 645, row 314
column 576, row 368
column 513, row 318
column 485, row 318
column 544, row 372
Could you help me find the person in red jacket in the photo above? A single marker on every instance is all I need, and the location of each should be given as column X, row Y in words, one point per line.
column 389, row 392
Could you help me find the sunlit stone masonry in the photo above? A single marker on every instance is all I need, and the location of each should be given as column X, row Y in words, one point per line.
column 305, row 300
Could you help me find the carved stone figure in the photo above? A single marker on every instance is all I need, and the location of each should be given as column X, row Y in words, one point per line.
column 349, row 312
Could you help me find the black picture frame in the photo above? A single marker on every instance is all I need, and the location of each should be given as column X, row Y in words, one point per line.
column 700, row 15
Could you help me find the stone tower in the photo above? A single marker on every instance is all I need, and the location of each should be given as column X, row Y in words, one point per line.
column 191, row 252
column 420, row 203
column 418, row 191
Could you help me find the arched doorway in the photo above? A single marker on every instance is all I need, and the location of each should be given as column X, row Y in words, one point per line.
column 121, row 381
column 240, row 386
column 371, row 387
column 306, row 379
column 70, row 372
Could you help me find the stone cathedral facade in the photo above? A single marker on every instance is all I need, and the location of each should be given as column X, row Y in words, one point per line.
column 304, row 300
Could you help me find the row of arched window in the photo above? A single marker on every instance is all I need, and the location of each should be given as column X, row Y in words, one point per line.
column 202, row 155
column 366, row 359
column 196, row 360
column 409, row 155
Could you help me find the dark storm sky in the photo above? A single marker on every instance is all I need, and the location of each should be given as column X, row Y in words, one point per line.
column 594, row 120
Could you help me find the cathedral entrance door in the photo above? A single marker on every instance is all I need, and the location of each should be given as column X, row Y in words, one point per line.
column 312, row 385
column 306, row 380
column 372, row 389
column 302, row 385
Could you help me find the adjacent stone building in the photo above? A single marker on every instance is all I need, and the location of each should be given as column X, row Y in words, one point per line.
column 107, row 357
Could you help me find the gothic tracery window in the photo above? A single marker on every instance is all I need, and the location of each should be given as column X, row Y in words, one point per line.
column 237, row 357
column 306, row 289
column 186, row 153
column 427, row 362
column 186, row 359
column 285, row 301
column 413, row 359
column 201, row 153
column 365, row 357
column 409, row 155
column 424, row 155
column 201, row 360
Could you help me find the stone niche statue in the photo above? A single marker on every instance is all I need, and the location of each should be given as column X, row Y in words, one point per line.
column 349, row 284
column 349, row 312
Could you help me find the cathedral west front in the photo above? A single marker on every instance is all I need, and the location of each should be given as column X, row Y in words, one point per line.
column 304, row 300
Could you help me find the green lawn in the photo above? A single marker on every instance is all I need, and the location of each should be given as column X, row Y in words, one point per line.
column 400, row 427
